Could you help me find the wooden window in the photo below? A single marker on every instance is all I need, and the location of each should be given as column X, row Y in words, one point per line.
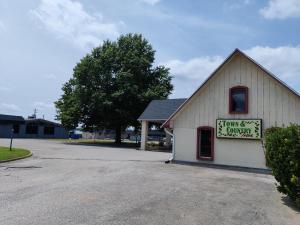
column 238, row 100
column 205, row 143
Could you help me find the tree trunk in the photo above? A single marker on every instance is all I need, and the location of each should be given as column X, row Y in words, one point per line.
column 118, row 135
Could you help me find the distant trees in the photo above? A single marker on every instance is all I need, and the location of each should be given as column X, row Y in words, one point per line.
column 112, row 85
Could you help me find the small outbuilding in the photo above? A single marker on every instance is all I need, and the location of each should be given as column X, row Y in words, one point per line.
column 224, row 119
column 18, row 127
column 158, row 111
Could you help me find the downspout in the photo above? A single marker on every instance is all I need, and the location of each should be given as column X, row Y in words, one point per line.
column 173, row 145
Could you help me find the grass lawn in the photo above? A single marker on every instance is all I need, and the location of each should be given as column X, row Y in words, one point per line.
column 6, row 154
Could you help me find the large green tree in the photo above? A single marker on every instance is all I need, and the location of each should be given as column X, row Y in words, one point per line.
column 112, row 85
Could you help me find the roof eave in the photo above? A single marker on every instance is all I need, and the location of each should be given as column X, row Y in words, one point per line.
column 151, row 119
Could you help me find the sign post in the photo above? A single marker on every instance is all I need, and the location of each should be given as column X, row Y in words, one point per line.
column 239, row 128
column 11, row 139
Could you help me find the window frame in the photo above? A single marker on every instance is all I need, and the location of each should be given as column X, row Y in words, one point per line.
column 246, row 90
column 198, row 150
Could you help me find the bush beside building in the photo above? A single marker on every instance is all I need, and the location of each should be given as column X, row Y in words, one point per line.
column 283, row 157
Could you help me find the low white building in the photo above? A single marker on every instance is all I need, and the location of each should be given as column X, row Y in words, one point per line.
column 223, row 121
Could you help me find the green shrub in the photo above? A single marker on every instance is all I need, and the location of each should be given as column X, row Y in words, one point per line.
column 283, row 157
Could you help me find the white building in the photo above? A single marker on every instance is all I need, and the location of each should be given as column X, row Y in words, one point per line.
column 223, row 121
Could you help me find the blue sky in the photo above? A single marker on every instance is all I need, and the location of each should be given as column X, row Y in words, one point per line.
column 42, row 40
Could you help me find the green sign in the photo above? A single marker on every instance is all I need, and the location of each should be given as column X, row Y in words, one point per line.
column 239, row 128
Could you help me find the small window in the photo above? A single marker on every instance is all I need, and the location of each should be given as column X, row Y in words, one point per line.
column 16, row 128
column 31, row 129
column 238, row 100
column 48, row 130
column 205, row 143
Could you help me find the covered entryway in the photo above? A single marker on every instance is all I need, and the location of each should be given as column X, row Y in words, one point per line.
column 157, row 112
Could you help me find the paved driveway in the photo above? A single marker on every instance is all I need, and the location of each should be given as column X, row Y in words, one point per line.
column 68, row 184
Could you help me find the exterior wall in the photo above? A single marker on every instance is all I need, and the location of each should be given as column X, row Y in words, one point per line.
column 22, row 132
column 59, row 132
column 268, row 100
column 5, row 132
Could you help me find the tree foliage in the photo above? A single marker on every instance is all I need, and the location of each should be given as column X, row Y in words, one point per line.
column 112, row 85
column 283, row 157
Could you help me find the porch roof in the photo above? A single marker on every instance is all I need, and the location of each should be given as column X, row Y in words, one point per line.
column 161, row 110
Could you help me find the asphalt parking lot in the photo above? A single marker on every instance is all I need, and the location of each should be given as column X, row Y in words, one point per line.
column 65, row 184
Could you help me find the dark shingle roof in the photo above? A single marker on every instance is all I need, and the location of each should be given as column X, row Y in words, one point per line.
column 11, row 119
column 161, row 109
column 42, row 122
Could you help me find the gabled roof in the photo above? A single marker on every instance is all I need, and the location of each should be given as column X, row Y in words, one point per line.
column 235, row 52
column 160, row 110
column 11, row 119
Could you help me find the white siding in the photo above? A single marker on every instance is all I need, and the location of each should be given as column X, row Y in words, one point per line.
column 268, row 100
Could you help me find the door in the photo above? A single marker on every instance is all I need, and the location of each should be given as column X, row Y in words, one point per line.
column 205, row 143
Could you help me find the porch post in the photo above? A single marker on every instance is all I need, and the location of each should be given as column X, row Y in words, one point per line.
column 144, row 135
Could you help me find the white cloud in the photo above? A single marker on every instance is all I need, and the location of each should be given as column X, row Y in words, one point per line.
column 238, row 4
column 43, row 105
column 69, row 20
column 151, row 2
column 281, row 9
column 189, row 74
column 283, row 61
column 8, row 108
column 195, row 68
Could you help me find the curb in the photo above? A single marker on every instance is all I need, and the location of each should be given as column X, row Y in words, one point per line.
column 225, row 167
column 22, row 157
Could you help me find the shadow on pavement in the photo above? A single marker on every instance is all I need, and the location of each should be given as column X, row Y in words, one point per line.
column 129, row 145
column 288, row 202
column 108, row 145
